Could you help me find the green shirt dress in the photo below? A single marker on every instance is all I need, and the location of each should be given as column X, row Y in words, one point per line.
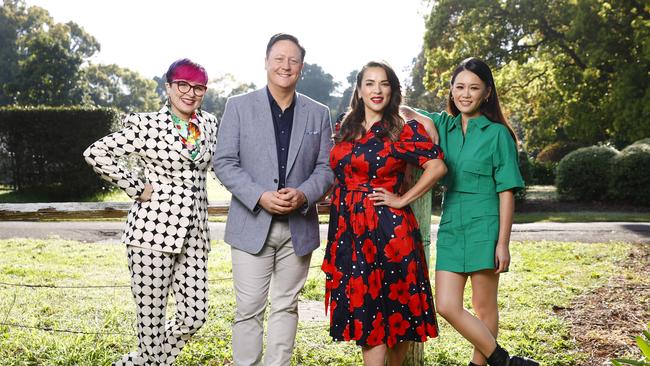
column 481, row 163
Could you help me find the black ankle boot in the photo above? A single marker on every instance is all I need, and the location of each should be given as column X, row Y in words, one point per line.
column 522, row 361
column 500, row 357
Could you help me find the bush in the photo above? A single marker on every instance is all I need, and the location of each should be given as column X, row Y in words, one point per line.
column 630, row 175
column 42, row 148
column 524, row 169
column 542, row 173
column 645, row 141
column 554, row 152
column 583, row 175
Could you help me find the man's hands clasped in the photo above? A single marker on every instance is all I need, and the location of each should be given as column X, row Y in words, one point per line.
column 283, row 201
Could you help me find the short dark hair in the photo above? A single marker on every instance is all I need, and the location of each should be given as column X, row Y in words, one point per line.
column 285, row 37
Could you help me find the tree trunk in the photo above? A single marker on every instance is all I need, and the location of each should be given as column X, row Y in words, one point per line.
column 422, row 210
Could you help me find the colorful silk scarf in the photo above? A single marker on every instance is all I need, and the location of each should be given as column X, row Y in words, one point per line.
column 189, row 133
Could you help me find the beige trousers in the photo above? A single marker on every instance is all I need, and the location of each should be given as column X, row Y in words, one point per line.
column 276, row 268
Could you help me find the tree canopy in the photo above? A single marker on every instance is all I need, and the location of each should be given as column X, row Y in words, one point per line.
column 564, row 69
column 316, row 83
column 46, row 63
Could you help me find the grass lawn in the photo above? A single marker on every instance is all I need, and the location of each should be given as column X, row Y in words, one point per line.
column 543, row 275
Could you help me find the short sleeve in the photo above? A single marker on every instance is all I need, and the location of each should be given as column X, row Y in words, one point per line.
column 415, row 146
column 506, row 163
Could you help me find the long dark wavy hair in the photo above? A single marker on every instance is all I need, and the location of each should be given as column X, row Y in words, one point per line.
column 392, row 123
column 489, row 107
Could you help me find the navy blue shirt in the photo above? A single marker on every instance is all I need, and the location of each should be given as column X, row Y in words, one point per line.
column 282, row 123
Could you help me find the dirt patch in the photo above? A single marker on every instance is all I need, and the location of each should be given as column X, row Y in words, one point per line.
column 605, row 321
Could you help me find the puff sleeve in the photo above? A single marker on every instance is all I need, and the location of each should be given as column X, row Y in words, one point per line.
column 414, row 145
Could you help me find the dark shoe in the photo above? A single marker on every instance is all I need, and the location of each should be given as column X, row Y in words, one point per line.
column 473, row 364
column 499, row 357
column 522, row 361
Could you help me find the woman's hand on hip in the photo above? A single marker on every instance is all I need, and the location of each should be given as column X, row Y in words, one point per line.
column 382, row 197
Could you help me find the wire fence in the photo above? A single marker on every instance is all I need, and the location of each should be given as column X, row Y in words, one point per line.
column 29, row 285
column 5, row 323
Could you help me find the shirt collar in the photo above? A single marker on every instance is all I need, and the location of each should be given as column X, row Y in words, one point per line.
column 481, row 121
column 273, row 103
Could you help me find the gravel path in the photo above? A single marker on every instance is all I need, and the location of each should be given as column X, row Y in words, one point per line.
column 110, row 231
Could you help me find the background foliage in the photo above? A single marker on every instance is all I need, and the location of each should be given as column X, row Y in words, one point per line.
column 576, row 70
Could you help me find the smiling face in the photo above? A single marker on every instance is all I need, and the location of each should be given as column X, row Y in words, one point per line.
column 283, row 65
column 375, row 91
column 183, row 103
column 469, row 92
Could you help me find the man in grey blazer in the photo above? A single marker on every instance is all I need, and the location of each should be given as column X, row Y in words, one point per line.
column 273, row 156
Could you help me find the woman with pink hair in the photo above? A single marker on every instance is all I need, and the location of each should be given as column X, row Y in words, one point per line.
column 167, row 237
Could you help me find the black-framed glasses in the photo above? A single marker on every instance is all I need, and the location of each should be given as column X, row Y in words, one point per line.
column 184, row 87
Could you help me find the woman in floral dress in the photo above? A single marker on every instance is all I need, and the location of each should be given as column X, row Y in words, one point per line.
column 377, row 288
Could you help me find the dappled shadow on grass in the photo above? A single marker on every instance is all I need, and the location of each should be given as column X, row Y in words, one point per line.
column 605, row 321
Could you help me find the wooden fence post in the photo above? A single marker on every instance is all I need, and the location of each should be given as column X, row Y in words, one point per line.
column 422, row 210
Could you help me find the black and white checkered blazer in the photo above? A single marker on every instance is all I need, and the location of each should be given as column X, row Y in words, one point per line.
column 179, row 201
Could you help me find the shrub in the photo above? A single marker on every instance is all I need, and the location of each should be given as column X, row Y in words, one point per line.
column 542, row 173
column 630, row 175
column 645, row 141
column 583, row 175
column 525, row 170
column 556, row 151
column 42, row 148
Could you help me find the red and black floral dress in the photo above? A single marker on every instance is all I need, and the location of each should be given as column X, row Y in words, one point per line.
column 377, row 286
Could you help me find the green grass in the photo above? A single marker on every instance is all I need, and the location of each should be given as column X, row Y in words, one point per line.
column 543, row 275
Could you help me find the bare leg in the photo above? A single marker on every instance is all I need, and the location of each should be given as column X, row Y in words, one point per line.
column 449, row 301
column 485, row 286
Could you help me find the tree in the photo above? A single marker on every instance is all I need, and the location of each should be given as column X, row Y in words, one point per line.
column 40, row 58
column 416, row 92
column 579, row 68
column 316, row 84
column 219, row 90
column 344, row 102
column 127, row 90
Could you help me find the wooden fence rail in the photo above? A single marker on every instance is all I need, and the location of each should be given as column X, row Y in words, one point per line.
column 92, row 210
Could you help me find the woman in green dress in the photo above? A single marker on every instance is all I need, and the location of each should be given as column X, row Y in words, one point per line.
column 474, row 235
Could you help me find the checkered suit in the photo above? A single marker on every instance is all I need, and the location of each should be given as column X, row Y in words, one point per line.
column 179, row 199
column 167, row 237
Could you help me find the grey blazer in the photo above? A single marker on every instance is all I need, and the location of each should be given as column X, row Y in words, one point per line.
column 246, row 162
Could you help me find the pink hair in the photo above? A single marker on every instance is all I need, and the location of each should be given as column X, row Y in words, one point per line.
column 187, row 70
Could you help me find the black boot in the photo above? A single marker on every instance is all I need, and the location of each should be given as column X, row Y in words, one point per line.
column 522, row 361
column 500, row 357
column 473, row 364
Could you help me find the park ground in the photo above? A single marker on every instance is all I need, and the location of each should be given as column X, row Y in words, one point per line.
column 565, row 303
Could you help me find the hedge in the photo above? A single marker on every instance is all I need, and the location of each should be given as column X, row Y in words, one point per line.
column 630, row 175
column 583, row 175
column 41, row 149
